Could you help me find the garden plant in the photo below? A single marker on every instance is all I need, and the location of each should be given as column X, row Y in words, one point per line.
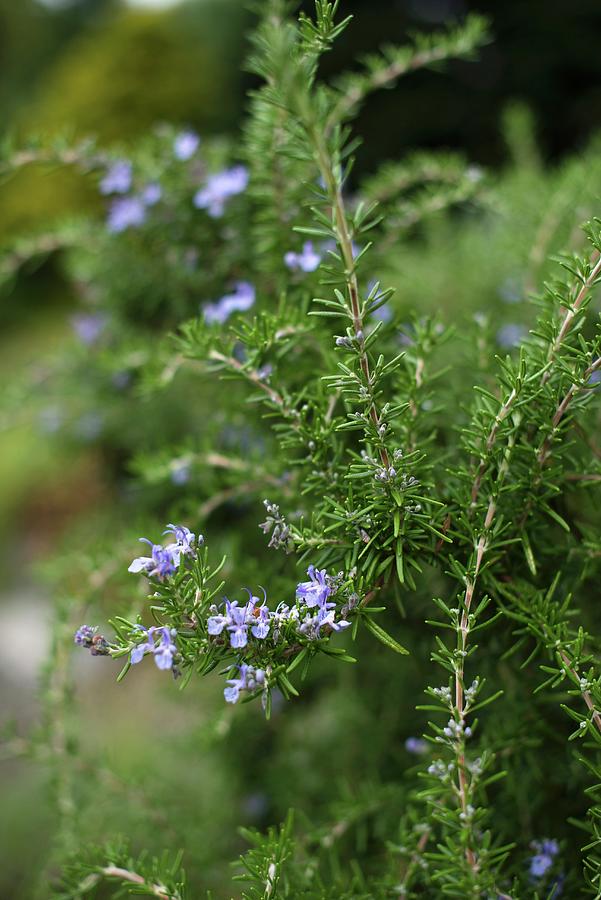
column 354, row 421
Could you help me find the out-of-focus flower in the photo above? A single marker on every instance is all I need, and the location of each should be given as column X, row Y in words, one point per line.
column 306, row 261
column 89, row 426
column 595, row 377
column 121, row 379
column 241, row 300
column 118, row 178
column 541, row 862
column 510, row 290
column 418, row 746
column 151, row 194
column 510, row 335
column 126, row 212
column 185, row 145
column 383, row 313
column 180, row 472
column 219, row 188
column 88, row 326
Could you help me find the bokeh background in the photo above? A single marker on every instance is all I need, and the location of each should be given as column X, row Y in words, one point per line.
column 115, row 70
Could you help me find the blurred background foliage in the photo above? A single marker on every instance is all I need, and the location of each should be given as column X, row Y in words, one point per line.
column 527, row 111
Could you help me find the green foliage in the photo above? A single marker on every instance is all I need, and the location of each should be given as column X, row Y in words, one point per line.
column 407, row 443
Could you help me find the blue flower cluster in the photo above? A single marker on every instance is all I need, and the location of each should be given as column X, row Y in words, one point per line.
column 312, row 615
column 218, row 189
column 185, row 145
column 306, row 261
column 87, row 636
column 163, row 652
column 164, row 561
column 88, row 326
column 129, row 210
column 242, row 298
column 118, row 178
column 511, row 335
column 541, row 862
column 249, row 679
column 310, row 257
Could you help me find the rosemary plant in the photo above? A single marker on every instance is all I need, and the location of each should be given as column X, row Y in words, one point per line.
column 366, row 445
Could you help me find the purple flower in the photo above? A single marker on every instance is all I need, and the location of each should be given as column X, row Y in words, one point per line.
column 163, row 652
column 260, row 614
column 235, row 620
column 184, row 538
column 126, row 212
column 261, row 629
column 306, row 261
column 510, row 335
column 216, row 623
column 510, row 291
column 549, row 846
column 185, row 145
column 543, row 859
column 219, row 188
column 151, row 194
column 416, row 745
column 383, row 313
column 84, row 634
column 238, row 619
column 314, row 592
column 162, row 563
column 595, row 377
column 539, row 864
column 249, row 679
column 326, row 618
column 180, row 472
column 282, row 614
column 238, row 627
column 88, row 326
column 165, row 560
column 241, row 300
column 137, row 654
column 121, row 379
column 117, row 179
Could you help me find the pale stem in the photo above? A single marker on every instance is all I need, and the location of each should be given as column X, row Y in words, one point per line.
column 464, row 626
column 570, row 313
column 346, row 248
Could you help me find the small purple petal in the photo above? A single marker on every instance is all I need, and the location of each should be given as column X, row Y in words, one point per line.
column 118, row 178
column 219, row 188
column 185, row 145
column 124, row 213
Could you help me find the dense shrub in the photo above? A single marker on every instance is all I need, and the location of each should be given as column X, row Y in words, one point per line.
column 396, row 493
